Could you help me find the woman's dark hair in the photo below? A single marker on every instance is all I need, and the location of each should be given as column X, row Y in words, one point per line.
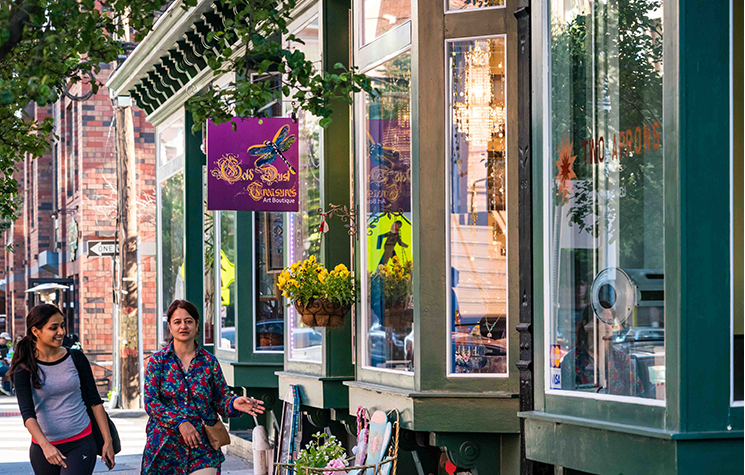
column 190, row 308
column 24, row 354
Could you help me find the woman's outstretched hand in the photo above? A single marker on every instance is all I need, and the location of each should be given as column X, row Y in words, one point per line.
column 249, row 405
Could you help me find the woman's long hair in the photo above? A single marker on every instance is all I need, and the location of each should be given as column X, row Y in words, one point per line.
column 24, row 354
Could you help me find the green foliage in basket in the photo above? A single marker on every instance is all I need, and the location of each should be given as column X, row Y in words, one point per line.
column 320, row 453
column 309, row 280
column 395, row 278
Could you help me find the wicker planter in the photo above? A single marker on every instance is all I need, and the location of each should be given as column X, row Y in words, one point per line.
column 322, row 313
column 399, row 315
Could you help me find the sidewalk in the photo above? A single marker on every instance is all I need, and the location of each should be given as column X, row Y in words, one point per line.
column 15, row 441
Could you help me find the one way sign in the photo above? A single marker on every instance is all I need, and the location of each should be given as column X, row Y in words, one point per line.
column 102, row 248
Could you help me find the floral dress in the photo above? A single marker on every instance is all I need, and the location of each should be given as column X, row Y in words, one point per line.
column 173, row 396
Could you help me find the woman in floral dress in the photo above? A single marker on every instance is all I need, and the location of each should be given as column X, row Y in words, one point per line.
column 184, row 390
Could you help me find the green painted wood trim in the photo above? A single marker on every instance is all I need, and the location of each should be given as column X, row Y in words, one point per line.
column 336, row 180
column 704, row 171
column 630, row 429
column 440, row 411
column 598, row 451
column 323, row 393
column 194, row 160
column 263, row 376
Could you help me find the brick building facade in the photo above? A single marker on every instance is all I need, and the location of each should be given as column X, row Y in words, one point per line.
column 69, row 199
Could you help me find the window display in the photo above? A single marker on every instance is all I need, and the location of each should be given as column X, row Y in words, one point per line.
column 225, row 279
column 380, row 16
column 171, row 141
column 305, row 237
column 270, row 261
column 478, row 207
column 387, row 246
column 604, row 210
column 208, row 259
column 173, row 242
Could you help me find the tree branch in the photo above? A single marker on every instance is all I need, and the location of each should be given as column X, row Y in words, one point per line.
column 18, row 21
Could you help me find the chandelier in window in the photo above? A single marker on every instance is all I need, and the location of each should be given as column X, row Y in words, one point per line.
column 477, row 115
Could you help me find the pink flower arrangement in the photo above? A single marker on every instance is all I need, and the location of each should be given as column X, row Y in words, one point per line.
column 336, row 463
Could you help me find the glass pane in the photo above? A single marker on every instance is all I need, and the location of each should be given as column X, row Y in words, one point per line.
column 171, row 141
column 478, row 207
column 173, row 244
column 738, row 208
column 455, row 5
column 379, row 16
column 270, row 258
column 605, row 199
column 209, row 266
column 305, row 342
column 388, row 247
column 226, row 280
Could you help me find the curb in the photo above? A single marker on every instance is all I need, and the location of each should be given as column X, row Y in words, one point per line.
column 126, row 413
column 241, row 445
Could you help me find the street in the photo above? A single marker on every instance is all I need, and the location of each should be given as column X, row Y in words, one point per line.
column 15, row 440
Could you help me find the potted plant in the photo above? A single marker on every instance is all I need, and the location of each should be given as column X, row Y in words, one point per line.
column 395, row 279
column 322, row 298
column 317, row 454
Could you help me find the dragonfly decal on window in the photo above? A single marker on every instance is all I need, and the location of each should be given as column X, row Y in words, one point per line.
column 270, row 149
column 380, row 154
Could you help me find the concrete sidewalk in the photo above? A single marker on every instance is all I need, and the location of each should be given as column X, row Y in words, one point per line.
column 15, row 441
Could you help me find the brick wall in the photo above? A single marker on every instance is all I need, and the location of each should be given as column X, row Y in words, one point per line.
column 84, row 167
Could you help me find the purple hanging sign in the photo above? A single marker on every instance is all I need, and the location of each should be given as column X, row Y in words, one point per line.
column 254, row 167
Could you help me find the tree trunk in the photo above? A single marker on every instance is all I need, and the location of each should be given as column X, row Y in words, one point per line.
column 128, row 332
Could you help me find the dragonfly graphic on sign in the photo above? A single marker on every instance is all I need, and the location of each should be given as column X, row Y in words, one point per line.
column 270, row 149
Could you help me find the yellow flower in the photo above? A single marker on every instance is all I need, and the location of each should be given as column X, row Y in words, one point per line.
column 344, row 274
column 340, row 267
column 323, row 276
column 285, row 294
column 294, row 267
column 312, row 259
column 292, row 282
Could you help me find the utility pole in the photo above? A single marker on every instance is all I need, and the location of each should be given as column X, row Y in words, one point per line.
column 128, row 308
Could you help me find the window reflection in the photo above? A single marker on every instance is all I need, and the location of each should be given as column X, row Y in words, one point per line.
column 225, row 280
column 380, row 16
column 478, row 219
column 388, row 243
column 305, row 342
column 454, row 5
column 270, row 262
column 208, row 227
column 605, row 199
column 172, row 244
column 171, row 141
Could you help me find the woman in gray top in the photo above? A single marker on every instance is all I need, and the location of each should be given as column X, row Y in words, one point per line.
column 54, row 385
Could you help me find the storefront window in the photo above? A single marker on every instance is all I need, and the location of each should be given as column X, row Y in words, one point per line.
column 478, row 207
column 457, row 5
column 225, row 280
column 270, row 261
column 171, row 141
column 738, row 280
column 209, row 266
column 305, row 342
column 387, row 240
column 604, row 199
column 380, row 16
column 172, row 245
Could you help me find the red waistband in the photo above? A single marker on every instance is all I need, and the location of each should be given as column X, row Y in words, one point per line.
column 86, row 432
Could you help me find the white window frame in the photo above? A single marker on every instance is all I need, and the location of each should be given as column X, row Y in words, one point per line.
column 361, row 159
column 545, row 187
column 448, row 214
column 163, row 173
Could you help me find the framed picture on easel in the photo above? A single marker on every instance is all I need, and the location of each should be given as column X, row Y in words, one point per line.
column 289, row 432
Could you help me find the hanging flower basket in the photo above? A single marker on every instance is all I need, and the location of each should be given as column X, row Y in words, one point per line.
column 322, row 313
column 399, row 315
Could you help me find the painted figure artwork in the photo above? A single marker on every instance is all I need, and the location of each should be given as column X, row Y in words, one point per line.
column 377, row 442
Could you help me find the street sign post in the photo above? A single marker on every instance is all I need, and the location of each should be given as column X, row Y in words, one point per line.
column 102, row 248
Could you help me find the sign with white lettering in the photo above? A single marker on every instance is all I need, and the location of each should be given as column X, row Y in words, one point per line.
column 102, row 248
